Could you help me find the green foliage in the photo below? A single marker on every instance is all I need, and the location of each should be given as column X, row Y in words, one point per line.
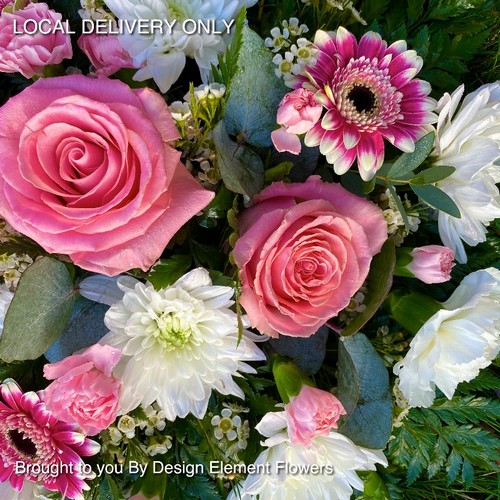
column 363, row 389
column 241, row 169
column 448, row 437
column 379, row 285
column 39, row 311
column 168, row 271
column 228, row 63
column 255, row 94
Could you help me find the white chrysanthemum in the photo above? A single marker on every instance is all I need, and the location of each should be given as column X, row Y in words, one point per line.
column 336, row 453
column 469, row 140
column 455, row 343
column 178, row 344
column 6, row 297
column 163, row 53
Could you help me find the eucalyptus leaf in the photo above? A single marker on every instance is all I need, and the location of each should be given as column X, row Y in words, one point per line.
column 39, row 311
column 85, row 328
column 432, row 174
column 241, row 169
column 408, row 162
column 379, row 286
column 255, row 93
column 438, row 199
column 363, row 389
column 308, row 353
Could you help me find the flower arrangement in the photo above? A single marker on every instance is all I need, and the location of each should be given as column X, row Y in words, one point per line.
column 249, row 249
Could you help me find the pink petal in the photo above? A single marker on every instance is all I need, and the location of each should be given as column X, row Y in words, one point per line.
column 351, row 137
column 283, row 141
column 370, row 155
column 346, row 44
column 371, row 45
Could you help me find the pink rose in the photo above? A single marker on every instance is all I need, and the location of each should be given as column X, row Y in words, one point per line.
column 28, row 54
column 298, row 112
column 87, row 171
column 84, row 390
column 105, row 53
column 312, row 413
column 304, row 250
column 432, row 263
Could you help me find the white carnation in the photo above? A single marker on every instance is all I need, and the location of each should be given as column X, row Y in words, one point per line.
column 468, row 138
column 163, row 54
column 336, row 453
column 455, row 343
column 178, row 344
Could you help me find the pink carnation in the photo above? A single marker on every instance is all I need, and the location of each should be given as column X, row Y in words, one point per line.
column 432, row 263
column 84, row 390
column 298, row 112
column 312, row 413
column 105, row 53
column 304, row 250
column 87, row 171
column 28, row 54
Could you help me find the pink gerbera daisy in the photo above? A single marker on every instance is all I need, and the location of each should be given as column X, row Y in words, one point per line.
column 36, row 446
column 369, row 92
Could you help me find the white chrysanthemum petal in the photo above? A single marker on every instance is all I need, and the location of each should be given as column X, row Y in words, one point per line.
column 178, row 344
column 455, row 343
column 469, row 140
column 164, row 52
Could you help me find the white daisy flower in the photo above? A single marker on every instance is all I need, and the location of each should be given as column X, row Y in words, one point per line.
column 178, row 344
column 468, row 138
column 456, row 342
column 337, row 456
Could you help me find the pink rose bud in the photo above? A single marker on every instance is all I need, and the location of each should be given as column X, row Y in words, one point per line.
column 298, row 112
column 105, row 53
column 432, row 263
column 26, row 52
column 312, row 413
column 84, row 390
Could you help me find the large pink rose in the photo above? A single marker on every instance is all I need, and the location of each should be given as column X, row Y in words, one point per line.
column 312, row 413
column 26, row 53
column 84, row 391
column 87, row 171
column 303, row 252
column 105, row 53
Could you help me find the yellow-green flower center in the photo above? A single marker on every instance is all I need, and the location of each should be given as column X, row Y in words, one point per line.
column 173, row 332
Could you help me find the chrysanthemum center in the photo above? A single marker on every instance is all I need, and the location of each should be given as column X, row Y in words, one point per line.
column 23, row 444
column 174, row 330
column 363, row 98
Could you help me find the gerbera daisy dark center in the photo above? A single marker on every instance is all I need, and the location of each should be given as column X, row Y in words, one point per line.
column 363, row 98
column 22, row 443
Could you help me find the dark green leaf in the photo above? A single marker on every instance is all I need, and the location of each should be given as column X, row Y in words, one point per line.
column 408, row 162
column 436, row 198
column 86, row 327
column 363, row 389
column 255, row 93
column 241, row 169
column 308, row 353
column 168, row 271
column 379, row 285
column 432, row 174
column 39, row 311
column 108, row 489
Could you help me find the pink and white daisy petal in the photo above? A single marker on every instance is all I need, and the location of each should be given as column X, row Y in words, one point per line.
column 368, row 93
column 346, row 44
column 371, row 45
column 29, row 436
column 370, row 155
